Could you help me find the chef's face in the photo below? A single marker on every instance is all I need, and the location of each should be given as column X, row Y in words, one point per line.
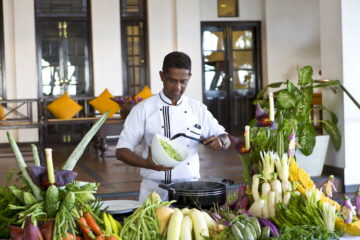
column 175, row 82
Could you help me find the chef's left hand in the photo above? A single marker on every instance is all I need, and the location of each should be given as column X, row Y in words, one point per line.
column 212, row 143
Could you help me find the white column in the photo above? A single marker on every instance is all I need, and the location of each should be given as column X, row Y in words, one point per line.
column 106, row 46
column 189, row 41
column 340, row 57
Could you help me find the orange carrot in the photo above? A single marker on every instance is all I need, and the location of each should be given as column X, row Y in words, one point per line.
column 112, row 237
column 100, row 237
column 92, row 223
column 70, row 236
column 85, row 228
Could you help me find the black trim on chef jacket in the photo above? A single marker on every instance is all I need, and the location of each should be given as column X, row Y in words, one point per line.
column 167, row 133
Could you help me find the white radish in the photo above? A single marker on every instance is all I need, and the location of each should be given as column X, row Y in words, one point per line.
column 174, row 227
column 200, row 228
column 255, row 187
column 287, row 197
column 271, row 204
column 285, row 186
column 186, row 228
column 209, row 221
column 256, row 208
column 276, row 187
column 265, row 189
column 185, row 211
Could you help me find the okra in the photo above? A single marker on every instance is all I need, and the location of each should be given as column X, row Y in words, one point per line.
column 80, row 148
column 22, row 165
column 35, row 155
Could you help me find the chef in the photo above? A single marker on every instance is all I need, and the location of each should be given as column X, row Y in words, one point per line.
column 168, row 113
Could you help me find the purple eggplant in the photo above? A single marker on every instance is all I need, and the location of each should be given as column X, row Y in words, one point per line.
column 239, row 202
column 273, row 229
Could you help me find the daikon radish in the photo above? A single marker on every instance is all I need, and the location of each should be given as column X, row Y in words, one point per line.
column 174, row 228
column 186, row 228
column 200, row 228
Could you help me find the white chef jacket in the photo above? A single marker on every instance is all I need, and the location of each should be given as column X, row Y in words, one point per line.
column 157, row 115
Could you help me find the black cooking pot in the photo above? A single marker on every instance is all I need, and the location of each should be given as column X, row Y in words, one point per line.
column 204, row 195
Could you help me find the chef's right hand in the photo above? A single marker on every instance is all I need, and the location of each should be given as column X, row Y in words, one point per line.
column 150, row 164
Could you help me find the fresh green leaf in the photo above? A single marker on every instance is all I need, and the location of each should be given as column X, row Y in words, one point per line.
column 334, row 133
column 303, row 106
column 292, row 89
column 307, row 139
column 285, row 99
column 271, row 85
column 305, row 76
column 333, row 116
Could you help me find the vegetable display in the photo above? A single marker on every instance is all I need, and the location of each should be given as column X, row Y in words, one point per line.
column 170, row 150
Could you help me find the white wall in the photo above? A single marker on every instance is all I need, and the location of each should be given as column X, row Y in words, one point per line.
column 106, row 46
column 351, row 73
column 292, row 37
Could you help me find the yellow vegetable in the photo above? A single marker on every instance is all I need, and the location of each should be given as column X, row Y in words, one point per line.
column 163, row 215
column 185, row 211
column 200, row 228
column 209, row 221
column 174, row 228
column 186, row 228
column 113, row 224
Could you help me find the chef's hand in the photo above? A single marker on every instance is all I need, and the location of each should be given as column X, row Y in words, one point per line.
column 150, row 164
column 212, row 143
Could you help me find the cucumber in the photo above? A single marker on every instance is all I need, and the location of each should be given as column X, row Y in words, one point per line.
column 29, row 198
column 69, row 201
column 52, row 200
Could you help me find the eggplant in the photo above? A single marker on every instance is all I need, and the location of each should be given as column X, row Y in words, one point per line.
column 273, row 229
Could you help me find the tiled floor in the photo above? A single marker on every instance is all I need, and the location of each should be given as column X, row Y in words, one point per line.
column 119, row 180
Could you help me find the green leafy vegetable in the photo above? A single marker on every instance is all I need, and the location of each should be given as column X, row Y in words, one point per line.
column 307, row 232
column 170, row 151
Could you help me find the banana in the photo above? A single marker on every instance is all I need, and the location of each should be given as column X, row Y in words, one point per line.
column 108, row 228
column 114, row 227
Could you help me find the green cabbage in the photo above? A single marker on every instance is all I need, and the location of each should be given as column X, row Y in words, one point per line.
column 170, row 151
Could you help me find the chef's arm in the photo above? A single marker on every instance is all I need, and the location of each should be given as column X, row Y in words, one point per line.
column 129, row 157
column 221, row 142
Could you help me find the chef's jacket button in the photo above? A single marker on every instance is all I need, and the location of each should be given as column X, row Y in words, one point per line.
column 188, row 128
column 160, row 109
column 188, row 145
column 188, row 163
column 185, row 111
column 162, row 126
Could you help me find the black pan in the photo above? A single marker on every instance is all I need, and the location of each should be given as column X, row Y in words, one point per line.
column 204, row 195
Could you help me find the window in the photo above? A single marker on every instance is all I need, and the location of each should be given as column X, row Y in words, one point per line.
column 134, row 45
column 63, row 47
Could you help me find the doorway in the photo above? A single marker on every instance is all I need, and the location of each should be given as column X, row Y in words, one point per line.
column 231, row 66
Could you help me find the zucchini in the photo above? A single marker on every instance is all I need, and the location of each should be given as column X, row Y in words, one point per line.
column 22, row 165
column 35, row 155
column 52, row 200
column 78, row 151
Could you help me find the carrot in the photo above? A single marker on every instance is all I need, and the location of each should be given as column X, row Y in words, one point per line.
column 92, row 223
column 112, row 237
column 100, row 237
column 85, row 228
column 70, row 236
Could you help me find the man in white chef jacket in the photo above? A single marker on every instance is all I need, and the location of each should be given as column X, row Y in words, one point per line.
column 168, row 113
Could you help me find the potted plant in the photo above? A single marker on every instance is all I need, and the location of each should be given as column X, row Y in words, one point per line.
column 293, row 104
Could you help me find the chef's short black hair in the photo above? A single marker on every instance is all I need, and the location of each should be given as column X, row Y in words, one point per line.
column 176, row 60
